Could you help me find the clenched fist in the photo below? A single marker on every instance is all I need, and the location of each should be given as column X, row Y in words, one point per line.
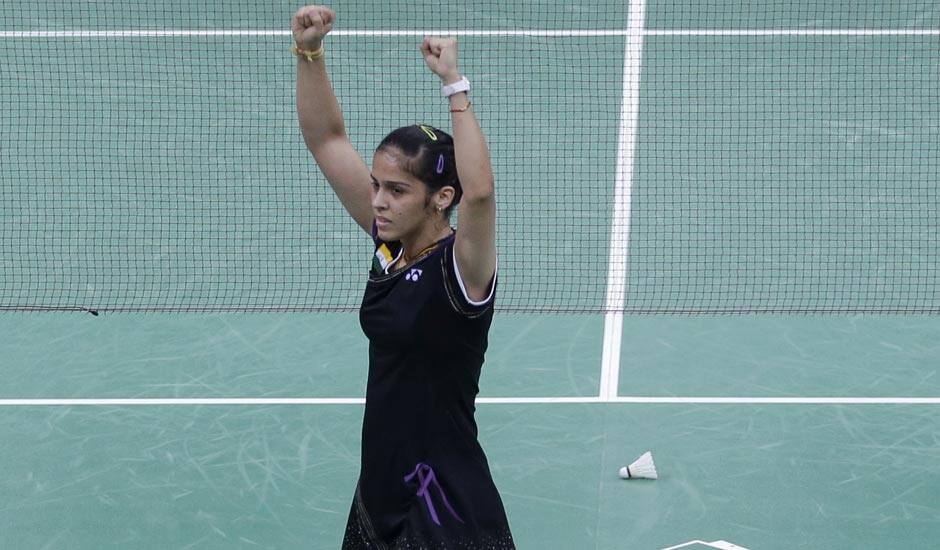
column 310, row 24
column 441, row 56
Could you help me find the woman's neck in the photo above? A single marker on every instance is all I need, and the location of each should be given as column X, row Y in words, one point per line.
column 415, row 246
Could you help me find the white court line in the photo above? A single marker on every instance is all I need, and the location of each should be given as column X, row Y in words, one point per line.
column 265, row 401
column 690, row 543
column 190, row 401
column 620, row 220
column 779, row 400
column 338, row 33
column 457, row 32
column 798, row 32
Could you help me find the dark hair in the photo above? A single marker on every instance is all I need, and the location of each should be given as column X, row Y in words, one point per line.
column 430, row 157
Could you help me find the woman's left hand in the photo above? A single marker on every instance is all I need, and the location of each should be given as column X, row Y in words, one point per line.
column 441, row 56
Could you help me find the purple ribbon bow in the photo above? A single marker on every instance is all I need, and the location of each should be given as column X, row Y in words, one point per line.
column 425, row 478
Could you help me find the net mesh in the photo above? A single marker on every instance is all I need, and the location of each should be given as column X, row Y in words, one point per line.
column 151, row 158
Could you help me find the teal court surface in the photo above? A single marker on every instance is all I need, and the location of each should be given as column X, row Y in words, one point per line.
column 766, row 161
column 760, row 475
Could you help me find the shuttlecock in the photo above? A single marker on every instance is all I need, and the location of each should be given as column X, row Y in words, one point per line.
column 643, row 467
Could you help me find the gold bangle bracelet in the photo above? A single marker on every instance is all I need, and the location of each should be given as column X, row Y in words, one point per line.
column 309, row 54
column 469, row 103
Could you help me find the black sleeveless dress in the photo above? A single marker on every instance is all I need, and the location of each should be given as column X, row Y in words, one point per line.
column 424, row 481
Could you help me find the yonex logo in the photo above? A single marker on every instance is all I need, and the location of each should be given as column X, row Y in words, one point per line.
column 413, row 275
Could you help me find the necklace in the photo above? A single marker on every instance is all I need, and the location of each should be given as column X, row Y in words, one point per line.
column 405, row 260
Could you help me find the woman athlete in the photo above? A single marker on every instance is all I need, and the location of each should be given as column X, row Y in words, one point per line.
column 424, row 481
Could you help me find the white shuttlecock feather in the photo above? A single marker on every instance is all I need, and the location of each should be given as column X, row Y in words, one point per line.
column 643, row 467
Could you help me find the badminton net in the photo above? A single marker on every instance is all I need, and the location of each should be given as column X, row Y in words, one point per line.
column 651, row 157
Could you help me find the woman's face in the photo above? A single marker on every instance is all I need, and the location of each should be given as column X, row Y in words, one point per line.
column 400, row 202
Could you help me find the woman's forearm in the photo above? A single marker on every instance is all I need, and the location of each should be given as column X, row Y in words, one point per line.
column 318, row 110
column 470, row 150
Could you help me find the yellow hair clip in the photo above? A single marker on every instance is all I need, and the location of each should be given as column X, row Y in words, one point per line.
column 429, row 131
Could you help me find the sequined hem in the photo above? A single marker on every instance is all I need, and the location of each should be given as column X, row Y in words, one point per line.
column 357, row 538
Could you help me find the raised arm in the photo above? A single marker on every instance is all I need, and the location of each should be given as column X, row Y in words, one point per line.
column 475, row 245
column 321, row 119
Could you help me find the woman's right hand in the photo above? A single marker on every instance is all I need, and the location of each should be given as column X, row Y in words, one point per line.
column 310, row 24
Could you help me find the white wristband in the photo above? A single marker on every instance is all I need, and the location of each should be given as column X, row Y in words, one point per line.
column 462, row 85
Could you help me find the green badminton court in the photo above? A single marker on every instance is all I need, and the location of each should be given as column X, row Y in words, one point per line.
column 771, row 432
